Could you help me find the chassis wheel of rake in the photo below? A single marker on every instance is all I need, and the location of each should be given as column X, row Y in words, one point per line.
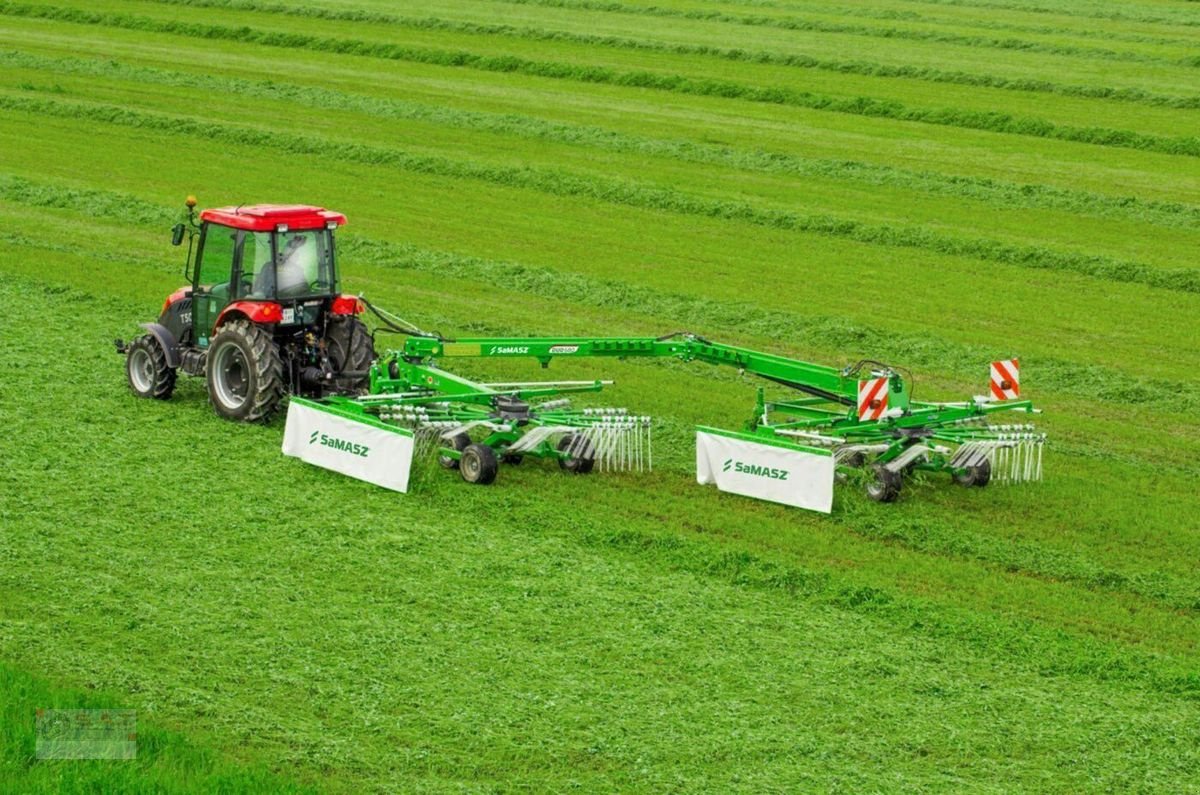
column 351, row 348
column 584, row 458
column 459, row 443
column 244, row 373
column 478, row 464
column 147, row 370
column 979, row 475
column 884, row 485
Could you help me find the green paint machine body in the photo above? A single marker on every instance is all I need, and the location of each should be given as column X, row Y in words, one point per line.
column 860, row 418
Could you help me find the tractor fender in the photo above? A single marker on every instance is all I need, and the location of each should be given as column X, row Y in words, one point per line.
column 254, row 311
column 166, row 340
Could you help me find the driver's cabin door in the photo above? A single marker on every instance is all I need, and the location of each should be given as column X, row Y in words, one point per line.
column 214, row 285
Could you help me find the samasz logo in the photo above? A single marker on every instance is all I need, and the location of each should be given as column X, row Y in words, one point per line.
column 515, row 349
column 742, row 467
column 338, row 444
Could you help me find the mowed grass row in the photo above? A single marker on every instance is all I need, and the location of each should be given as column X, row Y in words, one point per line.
column 851, row 27
column 937, row 520
column 688, row 75
column 754, row 126
column 1148, row 19
column 644, row 194
column 1016, row 322
column 1139, row 14
column 994, row 193
column 947, row 221
column 958, row 14
column 646, row 660
column 477, row 19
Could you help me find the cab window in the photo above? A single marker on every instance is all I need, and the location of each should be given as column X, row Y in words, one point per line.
column 258, row 277
column 216, row 257
column 304, row 263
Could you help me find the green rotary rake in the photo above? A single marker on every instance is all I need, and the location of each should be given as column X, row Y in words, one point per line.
column 857, row 422
column 263, row 318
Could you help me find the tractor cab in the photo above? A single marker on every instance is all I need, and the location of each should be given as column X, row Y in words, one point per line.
column 262, row 316
column 272, row 263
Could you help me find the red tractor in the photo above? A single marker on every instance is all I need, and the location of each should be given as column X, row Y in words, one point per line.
column 262, row 316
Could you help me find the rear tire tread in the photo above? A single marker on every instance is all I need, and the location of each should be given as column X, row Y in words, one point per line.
column 266, row 367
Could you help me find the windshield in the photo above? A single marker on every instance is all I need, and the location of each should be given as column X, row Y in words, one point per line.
column 303, row 264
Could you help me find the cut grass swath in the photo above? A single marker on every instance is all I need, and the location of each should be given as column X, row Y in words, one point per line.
column 992, row 121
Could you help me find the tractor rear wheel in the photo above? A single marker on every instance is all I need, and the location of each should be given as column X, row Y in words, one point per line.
column 979, row 475
column 244, row 373
column 884, row 486
column 147, row 370
column 583, row 454
column 459, row 442
column 351, row 348
column 478, row 464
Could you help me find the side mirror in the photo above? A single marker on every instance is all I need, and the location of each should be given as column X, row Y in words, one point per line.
column 177, row 234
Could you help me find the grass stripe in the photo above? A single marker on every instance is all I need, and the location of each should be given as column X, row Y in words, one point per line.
column 819, row 26
column 1070, row 10
column 995, row 192
column 990, row 121
column 924, row 351
column 631, row 194
column 857, row 67
column 975, row 22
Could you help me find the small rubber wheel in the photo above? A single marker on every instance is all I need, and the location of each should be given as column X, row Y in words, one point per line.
column 459, row 443
column 979, row 475
column 885, row 485
column 478, row 464
column 512, row 459
column 584, row 459
column 147, row 370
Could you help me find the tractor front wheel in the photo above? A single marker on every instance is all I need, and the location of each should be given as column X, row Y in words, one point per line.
column 979, row 475
column 478, row 464
column 147, row 370
column 244, row 373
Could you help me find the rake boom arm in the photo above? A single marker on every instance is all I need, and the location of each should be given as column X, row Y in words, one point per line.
column 826, row 383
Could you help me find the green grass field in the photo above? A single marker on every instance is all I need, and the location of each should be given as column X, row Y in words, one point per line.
column 936, row 183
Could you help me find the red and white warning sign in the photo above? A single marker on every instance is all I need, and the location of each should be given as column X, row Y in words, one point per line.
column 872, row 398
column 1006, row 380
